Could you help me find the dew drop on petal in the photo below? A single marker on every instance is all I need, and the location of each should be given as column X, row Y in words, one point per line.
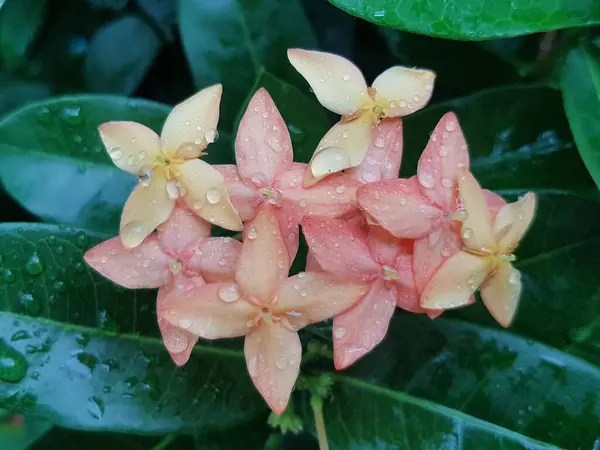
column 514, row 277
column 346, row 77
column 145, row 175
column 228, row 293
column 426, row 179
column 253, row 367
column 185, row 323
column 173, row 190
column 450, row 125
column 445, row 251
column 252, row 233
column 258, row 179
column 379, row 142
column 281, row 362
column 211, row 136
column 446, row 182
column 115, row 153
column 466, row 233
column 134, row 233
column 303, row 293
column 213, row 195
column 340, row 189
column 176, row 341
column 345, row 134
column 339, row 332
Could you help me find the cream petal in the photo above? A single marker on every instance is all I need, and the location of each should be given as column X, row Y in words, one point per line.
column 338, row 84
column 204, row 192
column 476, row 230
column 403, row 90
column 145, row 209
column 500, row 293
column 130, row 145
column 512, row 222
column 194, row 121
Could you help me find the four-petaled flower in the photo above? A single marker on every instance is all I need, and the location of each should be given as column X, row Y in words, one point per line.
column 180, row 256
column 485, row 260
column 341, row 88
column 374, row 257
column 168, row 167
column 264, row 305
column 266, row 174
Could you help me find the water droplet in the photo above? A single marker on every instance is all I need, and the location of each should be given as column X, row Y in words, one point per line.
column 173, row 190
column 368, row 177
column 281, row 362
column 446, row 182
column 20, row 335
column 7, row 276
column 280, row 264
column 466, row 233
column 186, row 323
column 60, row 249
column 252, row 233
column 445, row 252
column 303, row 203
column 258, row 179
column 345, row 134
column 44, row 115
column 175, row 266
column 34, row 265
column 82, row 239
column 443, row 151
column 72, row 115
column 393, row 104
column 133, row 233
column 274, row 144
column 60, row 286
column 450, row 125
column 211, row 136
column 514, row 277
column 339, row 332
column 346, row 77
column 253, row 367
column 95, row 407
column 198, row 206
column 176, row 341
column 13, row 365
column 303, row 293
column 213, row 195
column 426, row 179
column 301, row 274
column 145, row 175
column 228, row 293
column 460, row 215
column 379, row 142
column 340, row 189
column 115, row 153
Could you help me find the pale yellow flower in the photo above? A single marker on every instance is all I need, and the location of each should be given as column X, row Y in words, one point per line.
column 341, row 88
column 168, row 167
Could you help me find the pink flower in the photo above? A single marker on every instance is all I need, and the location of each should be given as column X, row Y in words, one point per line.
column 266, row 174
column 179, row 257
column 341, row 88
column 426, row 207
column 485, row 260
column 375, row 257
column 264, row 305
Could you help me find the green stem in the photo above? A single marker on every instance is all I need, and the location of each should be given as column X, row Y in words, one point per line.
column 317, row 406
column 162, row 445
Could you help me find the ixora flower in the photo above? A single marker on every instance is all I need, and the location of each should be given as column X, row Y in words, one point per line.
column 485, row 260
column 168, row 167
column 374, row 257
column 341, row 88
column 179, row 257
column 426, row 207
column 266, row 174
column 264, row 305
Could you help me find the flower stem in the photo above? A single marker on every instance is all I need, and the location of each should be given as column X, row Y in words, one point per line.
column 168, row 440
column 316, row 404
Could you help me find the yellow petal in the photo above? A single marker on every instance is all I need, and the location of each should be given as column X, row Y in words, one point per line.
column 403, row 91
column 193, row 122
column 476, row 231
column 338, row 84
column 501, row 292
column 345, row 145
column 145, row 209
column 203, row 190
column 455, row 281
column 130, row 144
column 512, row 221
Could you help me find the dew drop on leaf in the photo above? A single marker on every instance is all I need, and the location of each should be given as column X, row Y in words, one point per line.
column 13, row 365
column 96, row 407
column 31, row 305
column 7, row 276
column 34, row 265
column 71, row 115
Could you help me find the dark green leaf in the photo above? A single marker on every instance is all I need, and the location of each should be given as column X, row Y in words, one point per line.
column 53, row 162
column 232, row 41
column 581, row 92
column 306, row 119
column 475, row 19
column 450, row 384
column 15, row 92
column 20, row 21
column 112, row 67
column 61, row 323
column 19, row 433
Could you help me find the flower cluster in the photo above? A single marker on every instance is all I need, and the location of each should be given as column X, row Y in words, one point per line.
column 424, row 244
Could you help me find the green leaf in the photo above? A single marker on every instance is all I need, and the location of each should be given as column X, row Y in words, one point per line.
column 580, row 85
column 20, row 435
column 20, row 21
column 112, row 67
column 16, row 91
column 57, row 140
column 232, row 41
column 474, row 20
column 450, row 384
column 61, row 322
column 305, row 118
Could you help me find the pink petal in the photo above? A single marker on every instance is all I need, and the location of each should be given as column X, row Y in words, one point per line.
column 338, row 83
column 264, row 262
column 358, row 330
column 262, row 147
column 178, row 342
column 331, row 197
column 339, row 247
column 494, row 203
column 142, row 267
column 501, row 292
column 211, row 311
column 398, row 206
column 215, row 258
column 407, row 296
column 182, row 229
column 439, row 165
column 383, row 246
column 312, row 297
column 290, row 230
column 273, row 355
column 312, row 265
column 384, row 155
column 245, row 198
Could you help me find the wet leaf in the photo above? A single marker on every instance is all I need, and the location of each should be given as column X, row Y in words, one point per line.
column 61, row 321
column 53, row 162
column 475, row 19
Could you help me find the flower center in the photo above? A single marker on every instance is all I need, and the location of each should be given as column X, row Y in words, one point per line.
column 273, row 196
column 389, row 273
